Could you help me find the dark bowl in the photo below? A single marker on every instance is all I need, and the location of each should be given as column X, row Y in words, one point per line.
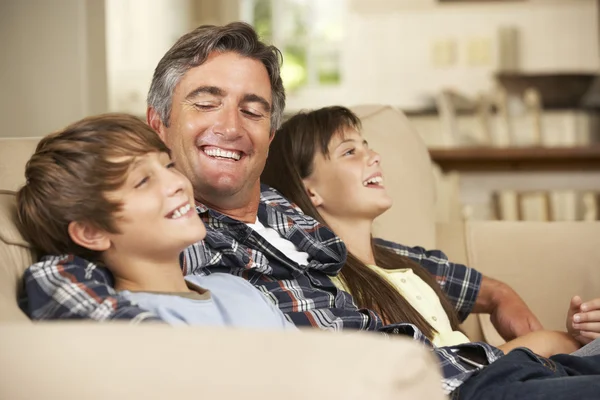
column 561, row 90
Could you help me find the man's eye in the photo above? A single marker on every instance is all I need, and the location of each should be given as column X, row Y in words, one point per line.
column 171, row 164
column 252, row 114
column 203, row 106
column 142, row 182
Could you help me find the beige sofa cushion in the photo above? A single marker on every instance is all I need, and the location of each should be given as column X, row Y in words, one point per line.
column 14, row 154
column 408, row 176
column 15, row 256
column 115, row 361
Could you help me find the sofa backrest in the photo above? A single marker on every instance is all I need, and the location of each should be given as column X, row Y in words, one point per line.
column 15, row 253
column 14, row 154
column 408, row 176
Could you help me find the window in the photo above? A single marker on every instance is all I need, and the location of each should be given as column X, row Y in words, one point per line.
column 309, row 33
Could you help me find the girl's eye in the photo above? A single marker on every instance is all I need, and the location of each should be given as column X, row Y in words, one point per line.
column 171, row 165
column 142, row 182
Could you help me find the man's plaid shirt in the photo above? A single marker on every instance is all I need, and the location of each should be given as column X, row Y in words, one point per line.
column 68, row 287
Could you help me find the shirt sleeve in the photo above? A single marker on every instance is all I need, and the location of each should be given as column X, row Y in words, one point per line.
column 460, row 283
column 68, row 287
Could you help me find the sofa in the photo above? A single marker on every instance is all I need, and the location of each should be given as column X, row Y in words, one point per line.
column 545, row 262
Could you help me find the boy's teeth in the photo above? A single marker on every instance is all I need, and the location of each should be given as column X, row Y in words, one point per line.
column 181, row 211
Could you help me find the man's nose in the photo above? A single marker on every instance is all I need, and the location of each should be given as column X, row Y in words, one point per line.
column 228, row 123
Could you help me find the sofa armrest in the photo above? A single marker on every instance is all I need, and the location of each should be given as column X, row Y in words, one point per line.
column 545, row 262
column 114, row 361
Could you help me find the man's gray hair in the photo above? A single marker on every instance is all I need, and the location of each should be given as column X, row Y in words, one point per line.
column 192, row 50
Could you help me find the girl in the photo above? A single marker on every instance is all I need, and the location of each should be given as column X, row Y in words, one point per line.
column 319, row 161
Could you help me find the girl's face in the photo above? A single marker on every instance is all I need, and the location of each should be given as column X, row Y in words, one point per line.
column 348, row 184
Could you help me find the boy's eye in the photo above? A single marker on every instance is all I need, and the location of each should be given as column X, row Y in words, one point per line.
column 349, row 152
column 142, row 182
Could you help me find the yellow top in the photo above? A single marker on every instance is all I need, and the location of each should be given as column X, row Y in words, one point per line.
column 424, row 299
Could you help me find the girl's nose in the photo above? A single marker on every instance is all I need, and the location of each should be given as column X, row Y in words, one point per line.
column 374, row 157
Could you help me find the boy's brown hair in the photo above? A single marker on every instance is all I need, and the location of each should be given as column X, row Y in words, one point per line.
column 71, row 171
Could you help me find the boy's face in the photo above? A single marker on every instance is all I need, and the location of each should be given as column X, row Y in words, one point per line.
column 158, row 218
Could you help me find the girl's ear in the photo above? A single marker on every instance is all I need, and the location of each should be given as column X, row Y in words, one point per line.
column 88, row 236
column 312, row 193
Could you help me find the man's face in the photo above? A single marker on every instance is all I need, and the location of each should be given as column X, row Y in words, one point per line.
column 219, row 131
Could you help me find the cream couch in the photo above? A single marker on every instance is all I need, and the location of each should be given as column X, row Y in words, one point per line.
column 545, row 262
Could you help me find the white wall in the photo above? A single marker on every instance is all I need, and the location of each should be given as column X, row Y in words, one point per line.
column 52, row 66
column 138, row 34
column 389, row 50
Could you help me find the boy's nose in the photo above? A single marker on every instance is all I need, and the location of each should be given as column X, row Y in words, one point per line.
column 174, row 183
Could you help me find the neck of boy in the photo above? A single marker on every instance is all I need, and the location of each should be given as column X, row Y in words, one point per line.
column 356, row 234
column 242, row 207
column 148, row 276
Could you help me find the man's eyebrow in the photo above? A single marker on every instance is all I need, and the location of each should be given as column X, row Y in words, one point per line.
column 212, row 90
column 254, row 98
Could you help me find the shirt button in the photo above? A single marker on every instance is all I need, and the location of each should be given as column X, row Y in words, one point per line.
column 403, row 280
column 434, row 318
column 419, row 297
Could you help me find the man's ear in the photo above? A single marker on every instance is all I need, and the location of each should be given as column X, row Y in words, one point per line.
column 88, row 236
column 314, row 196
column 155, row 122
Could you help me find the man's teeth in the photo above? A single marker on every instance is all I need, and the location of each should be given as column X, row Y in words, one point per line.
column 375, row 181
column 216, row 152
column 181, row 211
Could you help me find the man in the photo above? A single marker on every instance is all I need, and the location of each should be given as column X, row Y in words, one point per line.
column 216, row 99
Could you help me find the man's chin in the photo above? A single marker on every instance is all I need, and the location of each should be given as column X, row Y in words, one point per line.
column 219, row 188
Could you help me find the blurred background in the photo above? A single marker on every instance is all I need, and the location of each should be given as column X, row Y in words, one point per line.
column 503, row 93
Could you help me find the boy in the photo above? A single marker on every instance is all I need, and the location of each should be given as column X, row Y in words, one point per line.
column 105, row 189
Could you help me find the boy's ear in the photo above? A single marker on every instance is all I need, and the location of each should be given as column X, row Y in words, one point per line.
column 88, row 236
column 314, row 196
column 155, row 122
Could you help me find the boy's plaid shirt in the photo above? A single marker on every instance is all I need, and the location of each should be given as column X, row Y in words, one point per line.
column 69, row 287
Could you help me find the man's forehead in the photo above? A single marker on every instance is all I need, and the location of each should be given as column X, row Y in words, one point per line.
column 231, row 73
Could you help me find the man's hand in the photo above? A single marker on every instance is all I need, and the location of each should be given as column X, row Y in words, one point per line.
column 508, row 312
column 583, row 319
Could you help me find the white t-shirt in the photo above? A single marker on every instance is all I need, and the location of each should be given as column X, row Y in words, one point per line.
column 280, row 243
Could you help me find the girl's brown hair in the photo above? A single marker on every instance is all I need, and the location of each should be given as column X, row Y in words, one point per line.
column 290, row 160
column 71, row 171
